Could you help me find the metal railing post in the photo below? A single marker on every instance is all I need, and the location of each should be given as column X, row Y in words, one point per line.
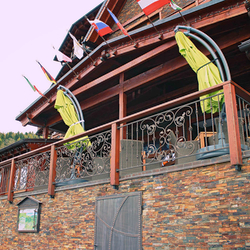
column 52, row 172
column 12, row 181
column 115, row 153
column 233, row 125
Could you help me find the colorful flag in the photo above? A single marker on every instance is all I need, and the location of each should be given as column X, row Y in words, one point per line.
column 60, row 57
column 34, row 87
column 101, row 28
column 40, row 92
column 118, row 23
column 29, row 83
column 78, row 50
column 49, row 77
column 149, row 6
column 175, row 6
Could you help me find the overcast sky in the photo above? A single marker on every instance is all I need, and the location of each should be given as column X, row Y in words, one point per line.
column 29, row 28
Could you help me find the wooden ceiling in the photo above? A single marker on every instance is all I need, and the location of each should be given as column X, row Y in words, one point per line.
column 154, row 72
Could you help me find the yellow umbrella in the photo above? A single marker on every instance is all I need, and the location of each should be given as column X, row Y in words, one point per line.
column 67, row 111
column 207, row 73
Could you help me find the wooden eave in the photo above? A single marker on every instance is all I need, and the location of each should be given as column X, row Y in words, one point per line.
column 100, row 84
column 23, row 146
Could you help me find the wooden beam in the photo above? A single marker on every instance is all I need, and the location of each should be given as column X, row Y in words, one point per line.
column 115, row 153
column 233, row 125
column 139, row 60
column 46, row 132
column 52, row 172
column 122, row 105
column 12, row 181
column 227, row 14
column 152, row 74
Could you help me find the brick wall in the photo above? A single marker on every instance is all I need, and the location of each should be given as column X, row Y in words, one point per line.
column 200, row 208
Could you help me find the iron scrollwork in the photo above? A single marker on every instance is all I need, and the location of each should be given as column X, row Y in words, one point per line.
column 85, row 158
column 32, row 171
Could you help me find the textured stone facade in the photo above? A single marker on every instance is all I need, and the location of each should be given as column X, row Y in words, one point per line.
column 200, row 208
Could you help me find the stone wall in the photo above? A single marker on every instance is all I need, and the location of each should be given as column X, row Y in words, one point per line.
column 200, row 208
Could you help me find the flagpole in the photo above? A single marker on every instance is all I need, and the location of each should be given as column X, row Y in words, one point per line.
column 72, row 70
column 105, row 42
column 88, row 54
column 183, row 17
column 160, row 35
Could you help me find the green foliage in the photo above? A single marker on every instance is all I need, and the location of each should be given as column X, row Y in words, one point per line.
column 9, row 138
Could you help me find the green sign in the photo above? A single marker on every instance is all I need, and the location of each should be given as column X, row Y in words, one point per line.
column 27, row 219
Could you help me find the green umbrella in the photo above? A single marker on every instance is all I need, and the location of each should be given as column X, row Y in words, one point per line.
column 67, row 111
column 207, row 73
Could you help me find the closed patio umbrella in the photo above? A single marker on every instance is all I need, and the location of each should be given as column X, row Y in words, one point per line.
column 208, row 74
column 67, row 111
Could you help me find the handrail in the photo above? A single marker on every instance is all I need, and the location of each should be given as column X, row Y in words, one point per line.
column 126, row 119
column 230, row 90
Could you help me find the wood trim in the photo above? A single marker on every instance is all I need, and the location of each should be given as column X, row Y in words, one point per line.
column 115, row 154
column 52, row 172
column 12, row 181
column 232, row 124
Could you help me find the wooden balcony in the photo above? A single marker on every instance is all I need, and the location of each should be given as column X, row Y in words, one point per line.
column 173, row 133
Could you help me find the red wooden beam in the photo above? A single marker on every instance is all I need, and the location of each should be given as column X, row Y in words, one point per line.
column 12, row 181
column 52, row 172
column 122, row 105
column 115, row 153
column 139, row 60
column 232, row 125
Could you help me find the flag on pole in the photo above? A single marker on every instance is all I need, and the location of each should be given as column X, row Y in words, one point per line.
column 78, row 50
column 118, row 23
column 35, row 88
column 175, row 6
column 60, row 57
column 149, row 6
column 101, row 28
column 49, row 77
column 29, row 83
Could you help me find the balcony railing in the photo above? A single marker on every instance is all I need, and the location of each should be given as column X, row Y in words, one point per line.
column 176, row 132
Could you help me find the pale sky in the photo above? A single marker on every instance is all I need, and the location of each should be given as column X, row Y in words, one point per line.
column 29, row 28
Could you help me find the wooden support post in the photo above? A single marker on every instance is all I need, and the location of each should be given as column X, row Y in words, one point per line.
column 45, row 132
column 12, row 181
column 233, row 125
column 115, row 154
column 52, row 172
column 122, row 105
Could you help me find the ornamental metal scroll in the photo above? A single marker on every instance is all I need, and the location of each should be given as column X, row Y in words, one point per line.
column 85, row 160
column 32, row 172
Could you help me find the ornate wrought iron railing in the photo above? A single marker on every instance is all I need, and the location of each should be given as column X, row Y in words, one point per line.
column 171, row 133
column 4, row 178
column 32, row 172
column 85, row 159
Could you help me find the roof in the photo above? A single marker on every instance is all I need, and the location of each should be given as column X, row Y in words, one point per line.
column 22, row 146
column 101, row 81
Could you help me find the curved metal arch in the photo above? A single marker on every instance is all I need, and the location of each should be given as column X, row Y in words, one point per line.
column 75, row 103
column 211, row 41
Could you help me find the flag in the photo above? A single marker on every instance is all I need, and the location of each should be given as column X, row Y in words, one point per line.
column 60, row 57
column 29, row 83
column 149, row 6
column 40, row 92
column 34, row 87
column 78, row 50
column 101, row 28
column 49, row 77
column 175, row 6
column 118, row 23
